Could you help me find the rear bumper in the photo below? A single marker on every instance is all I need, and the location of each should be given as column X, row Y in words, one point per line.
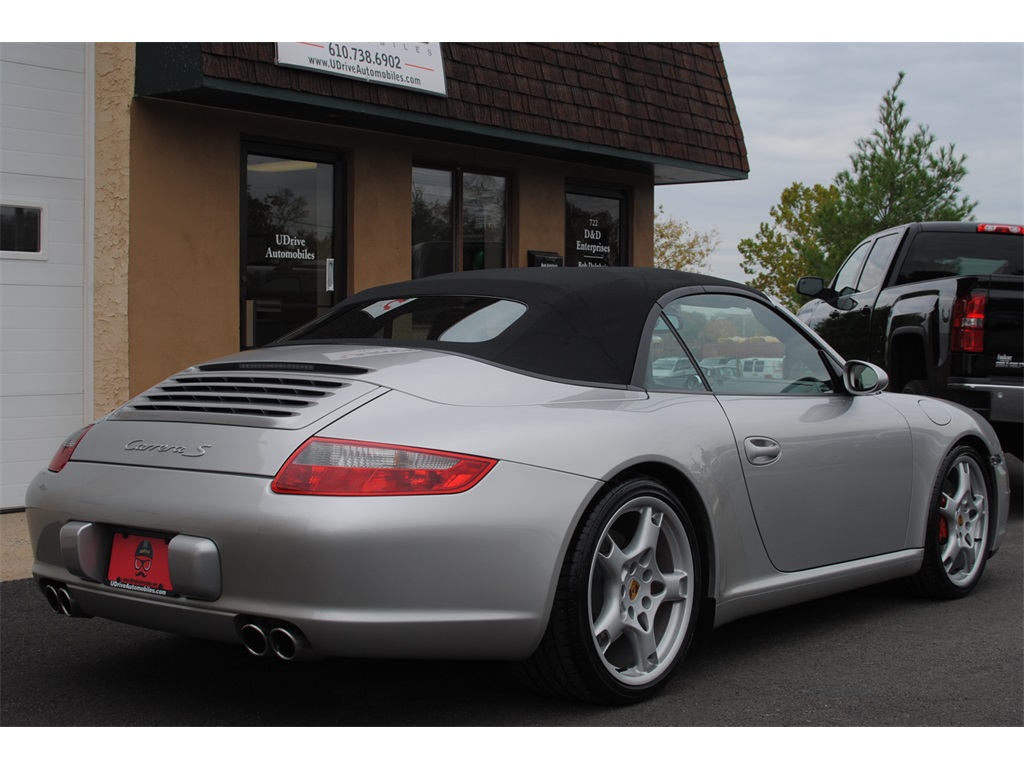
column 463, row 576
column 1005, row 401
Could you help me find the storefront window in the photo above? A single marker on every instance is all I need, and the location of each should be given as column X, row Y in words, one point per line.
column 483, row 221
column 594, row 229
column 289, row 271
column 433, row 246
column 478, row 231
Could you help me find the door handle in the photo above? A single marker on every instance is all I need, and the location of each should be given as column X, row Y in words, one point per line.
column 761, row 451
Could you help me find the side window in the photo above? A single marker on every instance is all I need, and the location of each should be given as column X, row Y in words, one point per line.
column 668, row 365
column 746, row 348
column 878, row 261
column 845, row 282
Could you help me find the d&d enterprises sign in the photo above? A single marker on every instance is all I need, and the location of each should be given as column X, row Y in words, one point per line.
column 406, row 65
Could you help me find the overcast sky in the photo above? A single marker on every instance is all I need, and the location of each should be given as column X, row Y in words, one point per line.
column 803, row 105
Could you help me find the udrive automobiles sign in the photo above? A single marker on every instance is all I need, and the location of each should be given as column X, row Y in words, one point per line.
column 406, row 65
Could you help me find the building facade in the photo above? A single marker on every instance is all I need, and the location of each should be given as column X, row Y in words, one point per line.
column 242, row 189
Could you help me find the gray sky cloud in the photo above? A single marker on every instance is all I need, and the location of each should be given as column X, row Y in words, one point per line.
column 803, row 105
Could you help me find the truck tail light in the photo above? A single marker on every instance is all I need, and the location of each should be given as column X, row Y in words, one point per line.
column 328, row 467
column 1002, row 229
column 969, row 324
column 63, row 455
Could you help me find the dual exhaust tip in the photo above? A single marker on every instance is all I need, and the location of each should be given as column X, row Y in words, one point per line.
column 60, row 601
column 285, row 643
column 259, row 639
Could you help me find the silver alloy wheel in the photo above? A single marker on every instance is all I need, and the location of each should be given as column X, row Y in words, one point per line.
column 641, row 590
column 963, row 520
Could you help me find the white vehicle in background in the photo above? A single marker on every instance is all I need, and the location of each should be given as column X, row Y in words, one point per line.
column 760, row 368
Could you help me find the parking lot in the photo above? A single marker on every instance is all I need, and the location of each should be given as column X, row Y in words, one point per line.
column 873, row 657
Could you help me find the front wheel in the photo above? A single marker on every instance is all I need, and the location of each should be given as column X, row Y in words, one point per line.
column 956, row 541
column 627, row 598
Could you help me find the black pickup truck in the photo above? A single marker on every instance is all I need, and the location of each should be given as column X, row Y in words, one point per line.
column 940, row 306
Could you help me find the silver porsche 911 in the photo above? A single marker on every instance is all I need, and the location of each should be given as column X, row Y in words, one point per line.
column 572, row 468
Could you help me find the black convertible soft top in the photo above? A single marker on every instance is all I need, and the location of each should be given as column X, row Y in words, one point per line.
column 581, row 324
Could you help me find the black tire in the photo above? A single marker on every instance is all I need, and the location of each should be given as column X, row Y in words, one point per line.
column 627, row 600
column 917, row 387
column 956, row 540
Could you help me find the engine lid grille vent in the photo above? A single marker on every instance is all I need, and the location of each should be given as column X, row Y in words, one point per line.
column 241, row 397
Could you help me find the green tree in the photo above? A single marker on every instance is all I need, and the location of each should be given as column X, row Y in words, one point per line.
column 677, row 245
column 789, row 247
column 895, row 177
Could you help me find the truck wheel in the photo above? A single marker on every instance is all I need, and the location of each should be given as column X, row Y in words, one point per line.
column 917, row 387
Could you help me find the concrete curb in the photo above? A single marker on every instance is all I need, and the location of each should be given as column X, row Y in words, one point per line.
column 15, row 549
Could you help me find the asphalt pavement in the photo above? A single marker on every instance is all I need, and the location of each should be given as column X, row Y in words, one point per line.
column 879, row 656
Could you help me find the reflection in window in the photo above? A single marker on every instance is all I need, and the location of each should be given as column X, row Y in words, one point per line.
column 878, row 261
column 936, row 255
column 845, row 281
column 432, row 241
column 483, row 221
column 743, row 347
column 20, row 229
column 456, row 212
column 461, row 319
column 593, row 230
column 668, row 365
column 289, row 244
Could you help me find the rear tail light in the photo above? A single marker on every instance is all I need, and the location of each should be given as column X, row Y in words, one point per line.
column 969, row 324
column 63, row 454
column 327, row 467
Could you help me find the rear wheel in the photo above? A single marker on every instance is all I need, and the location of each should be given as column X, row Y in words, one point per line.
column 956, row 541
column 627, row 599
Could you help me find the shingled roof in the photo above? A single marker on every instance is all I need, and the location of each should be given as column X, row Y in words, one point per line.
column 660, row 108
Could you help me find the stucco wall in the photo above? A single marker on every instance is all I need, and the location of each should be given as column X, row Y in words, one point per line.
column 184, row 271
column 115, row 78
column 186, row 163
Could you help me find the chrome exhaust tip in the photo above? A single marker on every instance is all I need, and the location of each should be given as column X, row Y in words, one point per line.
column 254, row 639
column 290, row 644
column 52, row 598
column 68, row 605
column 284, row 643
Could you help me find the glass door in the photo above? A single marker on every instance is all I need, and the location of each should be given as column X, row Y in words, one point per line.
column 595, row 228
column 291, row 270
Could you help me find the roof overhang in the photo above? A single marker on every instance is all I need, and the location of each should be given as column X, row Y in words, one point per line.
column 176, row 75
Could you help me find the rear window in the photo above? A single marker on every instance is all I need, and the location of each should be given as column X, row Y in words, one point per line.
column 457, row 319
column 936, row 255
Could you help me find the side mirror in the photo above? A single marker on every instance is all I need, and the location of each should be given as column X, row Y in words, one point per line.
column 810, row 286
column 815, row 288
column 862, row 378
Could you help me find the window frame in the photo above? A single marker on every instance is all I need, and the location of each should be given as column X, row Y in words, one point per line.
column 458, row 173
column 302, row 152
column 612, row 192
column 43, row 253
column 660, row 312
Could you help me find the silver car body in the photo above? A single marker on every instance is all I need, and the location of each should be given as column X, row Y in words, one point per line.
column 841, row 503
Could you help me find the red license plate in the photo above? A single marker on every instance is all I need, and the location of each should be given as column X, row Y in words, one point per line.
column 139, row 564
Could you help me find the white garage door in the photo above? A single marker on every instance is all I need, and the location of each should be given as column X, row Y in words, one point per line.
column 46, row 193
